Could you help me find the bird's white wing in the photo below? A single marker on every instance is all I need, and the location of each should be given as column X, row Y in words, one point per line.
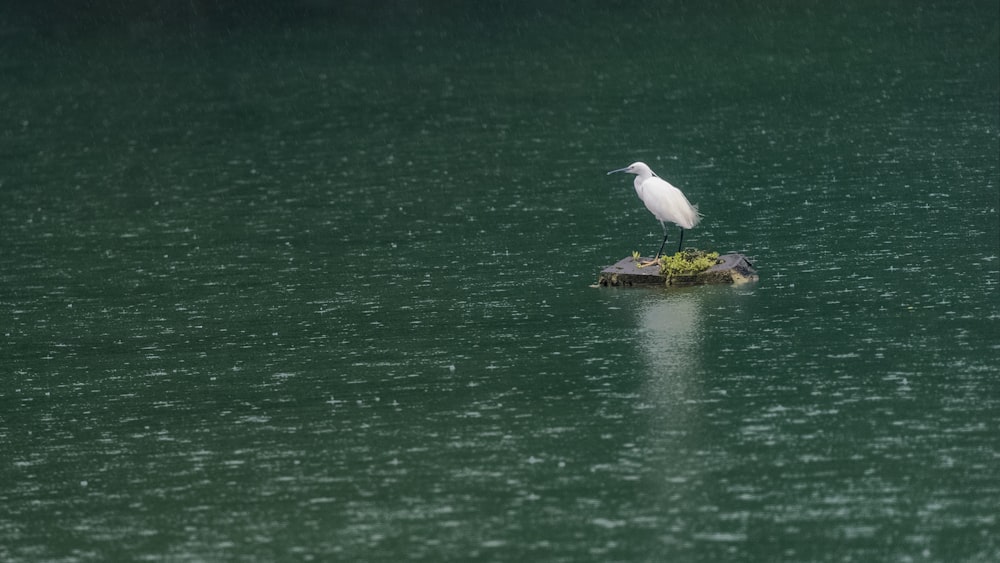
column 668, row 203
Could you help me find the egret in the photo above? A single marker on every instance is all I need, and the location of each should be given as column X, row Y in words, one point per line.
column 664, row 201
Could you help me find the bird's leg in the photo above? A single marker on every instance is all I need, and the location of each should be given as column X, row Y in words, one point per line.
column 658, row 252
column 681, row 243
column 662, row 244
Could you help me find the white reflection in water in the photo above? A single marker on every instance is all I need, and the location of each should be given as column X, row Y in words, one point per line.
column 670, row 326
column 679, row 449
column 671, row 330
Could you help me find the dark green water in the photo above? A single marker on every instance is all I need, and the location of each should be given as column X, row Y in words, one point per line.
column 323, row 292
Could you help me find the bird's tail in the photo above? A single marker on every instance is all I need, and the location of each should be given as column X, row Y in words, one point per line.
column 696, row 218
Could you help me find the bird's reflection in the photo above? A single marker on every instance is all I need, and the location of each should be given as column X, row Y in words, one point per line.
column 671, row 345
column 670, row 327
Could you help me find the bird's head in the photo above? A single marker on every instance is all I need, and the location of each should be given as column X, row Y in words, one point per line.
column 637, row 168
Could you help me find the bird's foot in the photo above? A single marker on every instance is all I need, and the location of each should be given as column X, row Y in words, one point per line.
column 647, row 263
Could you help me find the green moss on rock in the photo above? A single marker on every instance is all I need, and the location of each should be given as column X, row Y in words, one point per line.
column 687, row 263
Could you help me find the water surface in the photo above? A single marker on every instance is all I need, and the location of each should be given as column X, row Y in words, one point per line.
column 323, row 291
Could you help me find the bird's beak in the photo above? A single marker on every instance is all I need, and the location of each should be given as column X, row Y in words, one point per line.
column 619, row 170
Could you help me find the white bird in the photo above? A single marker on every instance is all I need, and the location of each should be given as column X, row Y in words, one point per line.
column 664, row 201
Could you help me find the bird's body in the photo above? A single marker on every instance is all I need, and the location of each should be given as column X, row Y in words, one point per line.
column 663, row 200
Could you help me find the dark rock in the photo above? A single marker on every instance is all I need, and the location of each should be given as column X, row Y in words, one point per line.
column 730, row 268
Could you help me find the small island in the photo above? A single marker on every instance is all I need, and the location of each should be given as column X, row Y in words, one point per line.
column 690, row 267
